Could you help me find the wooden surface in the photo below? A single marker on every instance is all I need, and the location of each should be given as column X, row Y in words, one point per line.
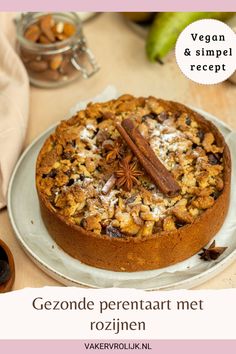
column 121, row 55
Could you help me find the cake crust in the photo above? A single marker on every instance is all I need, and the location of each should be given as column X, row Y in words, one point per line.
column 157, row 250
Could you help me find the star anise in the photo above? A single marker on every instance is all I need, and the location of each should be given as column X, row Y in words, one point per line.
column 127, row 173
column 114, row 151
column 212, row 252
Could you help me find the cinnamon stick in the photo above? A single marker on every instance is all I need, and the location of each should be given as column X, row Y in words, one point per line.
column 148, row 159
column 144, row 146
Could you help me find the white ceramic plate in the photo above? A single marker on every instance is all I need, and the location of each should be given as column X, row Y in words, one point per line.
column 31, row 233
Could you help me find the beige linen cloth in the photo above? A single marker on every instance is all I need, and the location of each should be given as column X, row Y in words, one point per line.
column 14, row 103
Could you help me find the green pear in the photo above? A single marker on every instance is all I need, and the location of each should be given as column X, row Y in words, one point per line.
column 167, row 26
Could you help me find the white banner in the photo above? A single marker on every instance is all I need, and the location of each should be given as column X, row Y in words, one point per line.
column 75, row 313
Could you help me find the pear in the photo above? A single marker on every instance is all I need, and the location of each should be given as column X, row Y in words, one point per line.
column 167, row 26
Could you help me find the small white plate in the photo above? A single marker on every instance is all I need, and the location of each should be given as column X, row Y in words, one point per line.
column 24, row 213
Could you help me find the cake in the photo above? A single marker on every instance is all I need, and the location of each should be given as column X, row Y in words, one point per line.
column 134, row 184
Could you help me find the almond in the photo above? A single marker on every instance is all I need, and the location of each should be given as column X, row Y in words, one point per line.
column 60, row 27
column 56, row 62
column 46, row 24
column 51, row 75
column 69, row 29
column 44, row 40
column 32, row 33
column 61, row 36
column 38, row 66
column 28, row 56
column 65, row 65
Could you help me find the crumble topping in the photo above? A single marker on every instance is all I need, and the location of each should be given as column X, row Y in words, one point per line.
column 85, row 151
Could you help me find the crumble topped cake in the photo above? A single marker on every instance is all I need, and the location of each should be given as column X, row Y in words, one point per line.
column 94, row 187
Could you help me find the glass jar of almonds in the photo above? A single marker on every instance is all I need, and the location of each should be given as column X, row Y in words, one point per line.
column 53, row 48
